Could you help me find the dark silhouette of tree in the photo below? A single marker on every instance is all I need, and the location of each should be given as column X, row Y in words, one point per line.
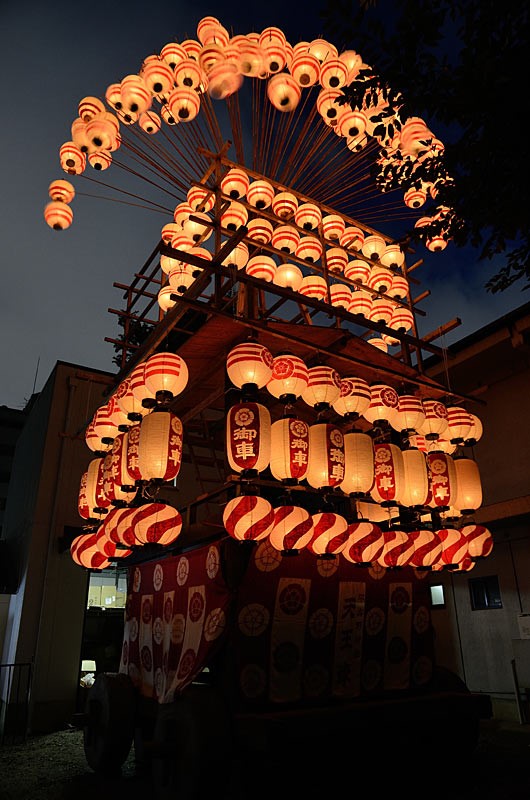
column 462, row 66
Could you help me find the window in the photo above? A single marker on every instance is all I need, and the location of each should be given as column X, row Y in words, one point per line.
column 485, row 593
column 437, row 596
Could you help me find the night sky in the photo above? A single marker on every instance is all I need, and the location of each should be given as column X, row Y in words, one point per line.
column 58, row 285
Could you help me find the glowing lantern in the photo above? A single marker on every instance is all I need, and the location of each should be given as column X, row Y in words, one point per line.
column 414, row 135
column 85, row 552
column 273, row 42
column 238, row 257
column 379, row 279
column 184, row 104
column 353, row 61
column 158, row 76
column 284, row 205
column 397, row 549
column 415, row 198
column 418, row 441
column 475, row 434
column 333, row 74
column 336, row 259
column 104, row 427
column 381, row 342
column 328, row 106
column 89, row 106
column 384, row 401
column 468, row 495
column 314, row 286
column 399, row 287
column 373, row 246
column 326, row 455
column 156, row 523
column 352, row 238
column 442, row 480
column 61, row 191
column 102, row 130
column 200, row 199
column 289, row 377
column 401, row 320
column 143, row 395
column 409, row 414
column 100, row 160
column 235, row 183
column 249, row 363
column 252, row 59
column 354, row 397
column 135, row 94
column 305, row 69
column 435, row 422
column 210, row 29
column 358, row 270
column 188, row 76
column 172, row 53
column 284, row 92
column 58, row 215
column 358, row 464
column 289, row 276
column 248, row 517
column 361, row 302
column 459, row 424
column 118, row 473
column 109, row 549
column 479, row 541
column 308, row 216
column 182, row 213
column 289, row 450
column 389, row 474
column 260, row 194
column 323, row 387
column 169, row 231
column 415, row 486
column 333, row 227
column 260, row 230
column 119, row 526
column 166, row 375
column 381, row 310
column 465, row 565
column 454, row 546
column 212, row 56
column 365, row 543
column 198, row 226
column 292, row 529
column 167, row 116
column 248, row 437
column 72, row 159
column 340, row 295
column 128, row 402
column 180, row 280
column 427, row 548
column 330, row 534
column 160, row 447
column 285, row 238
column 309, row 249
column 392, row 256
column 192, row 48
column 235, row 216
column 97, row 501
column 262, row 267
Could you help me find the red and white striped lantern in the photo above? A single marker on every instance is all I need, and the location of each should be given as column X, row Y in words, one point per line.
column 383, row 403
column 373, row 247
column 260, row 194
column 314, row 286
column 58, row 215
column 415, row 487
column 413, row 133
column 468, row 485
column 111, row 486
column 120, row 528
column 392, row 256
column 248, row 518
column 289, row 377
column 97, row 501
column 475, row 434
column 309, row 249
column 93, row 439
column 323, row 387
column 358, row 270
column 235, row 216
column 284, row 205
column 336, row 259
column 354, row 397
column 200, row 199
column 442, row 480
column 308, row 216
column 351, row 123
column 157, row 523
column 248, row 437
column 397, row 550
column 89, row 106
column 128, row 402
column 381, row 310
column 305, row 69
column 235, row 183
column 109, row 549
column 415, row 198
column 361, row 303
column 143, row 395
column 409, row 414
column 379, row 279
column 479, row 541
column 289, row 449
column 330, row 534
column 435, row 422
column 262, row 267
column 326, row 455
column 61, row 191
column 83, row 508
column 249, row 363
column 418, row 441
column 352, row 238
column 160, row 446
column 121, row 477
column 104, row 426
column 402, row 319
column 328, row 106
column 184, row 103
column 260, row 230
column 399, row 288
column 172, row 53
column 454, row 546
column 158, row 76
column 237, row 257
column 333, row 74
column 289, row 276
column 166, row 375
column 427, row 548
column 292, row 529
column 389, row 474
column 358, row 464
column 72, row 159
column 340, row 295
column 333, row 226
column 365, row 543
column 285, row 238
column 85, row 553
column 459, row 424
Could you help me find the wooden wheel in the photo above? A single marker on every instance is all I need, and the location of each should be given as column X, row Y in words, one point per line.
column 109, row 724
column 193, row 746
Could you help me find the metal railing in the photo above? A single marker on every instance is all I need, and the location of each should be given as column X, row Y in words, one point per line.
column 15, row 688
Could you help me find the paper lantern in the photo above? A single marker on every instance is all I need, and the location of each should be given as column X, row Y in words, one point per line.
column 358, row 270
column 389, row 474
column 289, row 450
column 459, row 424
column 415, row 486
column 330, row 534
column 442, row 480
column 235, row 216
column 284, row 205
column 384, row 401
column 189, row 76
column 248, row 437
column 289, row 276
column 352, row 125
column 260, row 230
column 166, row 375
column 209, row 29
column 358, row 464
column 309, row 249
column 292, row 529
column 333, row 74
column 135, row 94
column 323, row 387
column 160, row 446
column 109, row 549
column 468, row 496
column 97, row 501
column 102, row 130
column 235, row 183
column 328, row 106
column 289, row 377
column 111, row 487
column 336, row 259
column 89, row 106
column 340, row 295
column 373, row 246
column 119, row 526
column 365, row 543
column 143, row 395
column 476, row 431
column 183, row 103
column 479, row 541
column 381, row 342
column 427, row 548
column 392, row 256
column 454, row 546
column 150, row 122
column 399, row 288
column 260, row 194
column 61, row 191
column 200, row 199
column 305, row 69
column 285, row 238
column 156, row 523
column 379, row 279
column 326, row 455
column 158, row 76
column 58, row 215
column 249, row 363
column 354, row 397
column 352, row 238
column 248, row 517
column 118, row 472
column 198, row 226
column 262, row 267
column 402, row 319
column 173, row 53
column 272, row 41
column 314, row 286
column 409, row 414
column 85, row 553
column 333, row 226
column 435, row 422
column 284, row 92
column 308, row 216
column 415, row 198
column 397, row 550
column 252, row 59
column 381, row 310
column 82, row 501
column 128, row 402
column 104, row 427
column 361, row 302
column 180, row 281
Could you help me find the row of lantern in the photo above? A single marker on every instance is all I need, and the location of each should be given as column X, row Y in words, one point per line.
column 285, row 376
column 290, row 528
column 324, row 457
column 181, row 72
